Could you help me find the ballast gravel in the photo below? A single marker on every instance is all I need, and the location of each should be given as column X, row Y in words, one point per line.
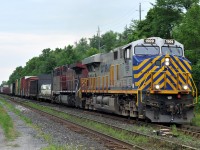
column 132, row 127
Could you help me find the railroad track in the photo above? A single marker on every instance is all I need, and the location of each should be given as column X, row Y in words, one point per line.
column 110, row 142
column 190, row 130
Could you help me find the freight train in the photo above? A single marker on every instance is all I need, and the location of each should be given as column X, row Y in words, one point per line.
column 147, row 79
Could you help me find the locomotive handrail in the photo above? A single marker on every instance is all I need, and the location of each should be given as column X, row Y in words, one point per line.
column 195, row 90
column 141, row 90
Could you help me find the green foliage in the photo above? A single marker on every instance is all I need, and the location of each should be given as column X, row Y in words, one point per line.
column 189, row 30
column 196, row 119
column 61, row 147
column 174, row 130
column 94, row 41
column 7, row 123
column 91, row 52
column 17, row 73
column 159, row 22
column 194, row 57
column 177, row 4
column 109, row 40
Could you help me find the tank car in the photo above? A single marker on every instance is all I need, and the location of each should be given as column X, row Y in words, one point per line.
column 148, row 79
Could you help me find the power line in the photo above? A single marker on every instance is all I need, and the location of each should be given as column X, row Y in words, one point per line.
column 118, row 20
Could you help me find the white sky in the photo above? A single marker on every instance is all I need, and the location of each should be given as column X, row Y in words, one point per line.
column 29, row 26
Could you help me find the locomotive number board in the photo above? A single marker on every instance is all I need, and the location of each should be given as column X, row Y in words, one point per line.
column 169, row 41
column 149, row 41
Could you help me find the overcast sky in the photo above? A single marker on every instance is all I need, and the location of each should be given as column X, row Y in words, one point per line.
column 29, row 26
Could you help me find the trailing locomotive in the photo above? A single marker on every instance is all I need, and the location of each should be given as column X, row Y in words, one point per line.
column 148, row 79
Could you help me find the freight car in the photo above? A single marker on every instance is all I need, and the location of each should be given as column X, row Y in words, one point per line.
column 5, row 89
column 41, row 87
column 148, row 79
column 12, row 89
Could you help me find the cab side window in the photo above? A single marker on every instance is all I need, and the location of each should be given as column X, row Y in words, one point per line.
column 127, row 53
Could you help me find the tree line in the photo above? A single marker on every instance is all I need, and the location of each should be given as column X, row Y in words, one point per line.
column 170, row 19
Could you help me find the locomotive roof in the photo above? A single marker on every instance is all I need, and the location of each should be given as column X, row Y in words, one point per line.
column 92, row 59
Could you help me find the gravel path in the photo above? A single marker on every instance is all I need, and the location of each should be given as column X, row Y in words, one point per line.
column 25, row 141
column 2, row 141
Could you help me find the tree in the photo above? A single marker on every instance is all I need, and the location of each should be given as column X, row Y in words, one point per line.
column 17, row 73
column 94, row 41
column 109, row 41
column 66, row 56
column 80, row 48
column 159, row 22
column 189, row 30
column 129, row 34
column 180, row 5
column 91, row 52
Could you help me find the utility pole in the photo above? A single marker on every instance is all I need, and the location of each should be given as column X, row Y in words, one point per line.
column 140, row 12
column 98, row 34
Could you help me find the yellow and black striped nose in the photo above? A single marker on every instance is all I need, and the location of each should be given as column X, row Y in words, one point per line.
column 169, row 72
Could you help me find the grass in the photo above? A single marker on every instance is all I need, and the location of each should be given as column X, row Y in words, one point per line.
column 174, row 130
column 7, row 124
column 66, row 147
column 196, row 119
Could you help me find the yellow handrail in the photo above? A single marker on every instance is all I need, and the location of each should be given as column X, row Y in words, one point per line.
column 195, row 90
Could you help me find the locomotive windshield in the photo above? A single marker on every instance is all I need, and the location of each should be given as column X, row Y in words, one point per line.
column 147, row 50
column 172, row 51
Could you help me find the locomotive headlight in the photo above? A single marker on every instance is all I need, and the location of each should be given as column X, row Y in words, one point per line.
column 157, row 87
column 166, row 61
column 185, row 87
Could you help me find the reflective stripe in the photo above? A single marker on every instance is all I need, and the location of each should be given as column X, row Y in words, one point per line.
column 140, row 65
column 146, row 67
